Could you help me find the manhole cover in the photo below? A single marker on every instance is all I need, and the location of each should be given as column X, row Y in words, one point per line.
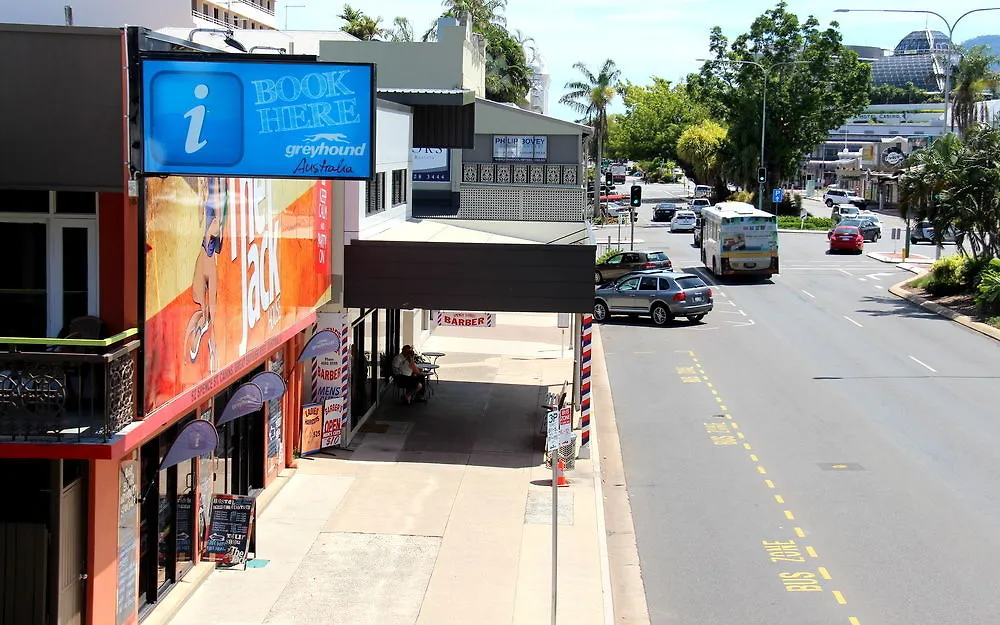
column 841, row 466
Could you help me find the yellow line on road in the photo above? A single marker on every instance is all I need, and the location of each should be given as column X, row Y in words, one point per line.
column 718, row 399
column 707, row 383
column 839, row 597
column 714, row 392
column 789, row 515
column 723, row 408
column 739, row 435
column 769, row 483
column 728, row 416
column 824, row 573
column 799, row 532
column 779, row 499
column 854, row 620
column 754, row 458
column 736, row 426
column 746, row 446
column 811, row 552
column 761, row 471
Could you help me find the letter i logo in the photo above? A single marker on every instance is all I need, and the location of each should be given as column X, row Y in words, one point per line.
column 196, row 119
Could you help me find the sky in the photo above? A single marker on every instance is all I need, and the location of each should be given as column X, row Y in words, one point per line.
column 651, row 38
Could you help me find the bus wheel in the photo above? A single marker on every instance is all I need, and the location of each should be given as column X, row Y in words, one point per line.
column 660, row 315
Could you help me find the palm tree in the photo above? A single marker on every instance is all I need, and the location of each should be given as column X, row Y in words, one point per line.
column 974, row 76
column 360, row 25
column 590, row 98
column 484, row 14
column 508, row 77
column 527, row 44
column 402, row 30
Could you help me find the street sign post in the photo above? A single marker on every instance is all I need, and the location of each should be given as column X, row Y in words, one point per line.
column 777, row 195
column 552, row 446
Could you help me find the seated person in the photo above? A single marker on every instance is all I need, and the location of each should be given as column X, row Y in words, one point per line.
column 407, row 374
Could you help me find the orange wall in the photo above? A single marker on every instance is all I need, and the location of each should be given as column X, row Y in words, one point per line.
column 102, row 568
column 118, row 229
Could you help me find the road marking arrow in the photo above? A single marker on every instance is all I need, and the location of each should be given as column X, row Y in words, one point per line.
column 875, row 276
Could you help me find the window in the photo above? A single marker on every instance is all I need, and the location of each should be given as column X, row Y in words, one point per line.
column 629, row 285
column 614, row 260
column 648, row 283
column 399, row 186
column 376, row 194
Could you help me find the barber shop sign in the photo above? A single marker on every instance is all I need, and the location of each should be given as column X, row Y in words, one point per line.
column 466, row 319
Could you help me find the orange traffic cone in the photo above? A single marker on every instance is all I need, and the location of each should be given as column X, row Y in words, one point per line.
column 562, row 481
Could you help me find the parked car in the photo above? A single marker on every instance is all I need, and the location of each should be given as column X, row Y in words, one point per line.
column 847, row 238
column 924, row 231
column 699, row 203
column 697, row 232
column 871, row 230
column 844, row 211
column 664, row 211
column 683, row 221
column 660, row 295
column 616, row 208
column 843, row 196
column 626, row 262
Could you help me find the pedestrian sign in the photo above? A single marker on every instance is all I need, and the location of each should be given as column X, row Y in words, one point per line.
column 777, row 196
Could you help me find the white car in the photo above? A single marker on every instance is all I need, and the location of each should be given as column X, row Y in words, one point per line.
column 699, row 203
column 683, row 221
column 842, row 196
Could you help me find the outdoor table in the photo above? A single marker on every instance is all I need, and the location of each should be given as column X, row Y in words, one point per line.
column 428, row 370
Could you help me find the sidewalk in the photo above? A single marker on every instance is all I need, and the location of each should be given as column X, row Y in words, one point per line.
column 438, row 514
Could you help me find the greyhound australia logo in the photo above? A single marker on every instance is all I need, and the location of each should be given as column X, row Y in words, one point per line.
column 325, row 144
column 328, row 136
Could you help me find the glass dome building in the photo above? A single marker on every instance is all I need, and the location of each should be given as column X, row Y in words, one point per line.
column 918, row 59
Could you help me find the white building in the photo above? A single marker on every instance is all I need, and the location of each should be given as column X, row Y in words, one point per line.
column 154, row 14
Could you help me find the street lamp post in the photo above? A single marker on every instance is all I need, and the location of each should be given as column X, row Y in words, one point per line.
column 947, row 69
column 763, row 107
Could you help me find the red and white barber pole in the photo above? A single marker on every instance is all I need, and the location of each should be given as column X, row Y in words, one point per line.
column 586, row 336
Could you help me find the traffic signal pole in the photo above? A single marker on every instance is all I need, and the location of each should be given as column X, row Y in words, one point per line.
column 635, row 203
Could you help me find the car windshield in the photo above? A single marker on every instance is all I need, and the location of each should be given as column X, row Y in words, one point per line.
column 691, row 282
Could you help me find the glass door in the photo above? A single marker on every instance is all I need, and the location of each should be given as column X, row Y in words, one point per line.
column 23, row 285
column 73, row 273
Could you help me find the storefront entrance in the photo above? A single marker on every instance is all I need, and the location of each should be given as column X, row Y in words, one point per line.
column 375, row 341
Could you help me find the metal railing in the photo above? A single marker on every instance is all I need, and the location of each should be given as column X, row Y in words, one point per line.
column 67, row 389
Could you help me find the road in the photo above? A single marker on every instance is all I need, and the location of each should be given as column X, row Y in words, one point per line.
column 816, row 452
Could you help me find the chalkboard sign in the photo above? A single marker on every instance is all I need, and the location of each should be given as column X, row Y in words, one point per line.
column 229, row 530
column 128, row 544
column 185, row 527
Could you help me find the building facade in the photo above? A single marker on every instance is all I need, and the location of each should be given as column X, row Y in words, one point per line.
column 234, row 14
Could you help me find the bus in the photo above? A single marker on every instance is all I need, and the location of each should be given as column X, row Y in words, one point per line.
column 737, row 239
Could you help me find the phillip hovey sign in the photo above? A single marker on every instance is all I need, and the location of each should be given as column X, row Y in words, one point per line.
column 264, row 119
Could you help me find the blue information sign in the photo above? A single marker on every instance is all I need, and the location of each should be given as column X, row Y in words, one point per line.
column 777, row 195
column 250, row 118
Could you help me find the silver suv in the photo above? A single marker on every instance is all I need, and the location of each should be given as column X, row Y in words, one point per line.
column 662, row 295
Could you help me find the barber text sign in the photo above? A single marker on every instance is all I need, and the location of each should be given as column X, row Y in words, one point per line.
column 466, row 319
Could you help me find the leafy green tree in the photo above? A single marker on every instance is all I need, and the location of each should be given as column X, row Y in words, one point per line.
column 360, row 25
column 974, row 77
column 655, row 115
column 508, row 77
column 910, row 94
column 590, row 98
column 826, row 85
column 402, row 30
column 703, row 146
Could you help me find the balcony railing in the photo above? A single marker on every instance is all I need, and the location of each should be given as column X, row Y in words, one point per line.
column 547, row 174
column 67, row 390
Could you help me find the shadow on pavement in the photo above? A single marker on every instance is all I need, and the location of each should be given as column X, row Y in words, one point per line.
column 897, row 307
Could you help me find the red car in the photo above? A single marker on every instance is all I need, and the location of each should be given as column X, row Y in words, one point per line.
column 847, row 238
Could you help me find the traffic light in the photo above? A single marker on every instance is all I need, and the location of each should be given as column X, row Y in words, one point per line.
column 761, row 175
column 636, row 195
column 608, row 178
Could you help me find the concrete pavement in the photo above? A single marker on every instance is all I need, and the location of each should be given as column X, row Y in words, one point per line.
column 438, row 513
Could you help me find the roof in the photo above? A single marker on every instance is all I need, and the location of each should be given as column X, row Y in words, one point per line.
column 533, row 122
column 437, row 232
column 438, row 97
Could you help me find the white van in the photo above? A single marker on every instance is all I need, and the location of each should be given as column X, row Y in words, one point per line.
column 703, row 190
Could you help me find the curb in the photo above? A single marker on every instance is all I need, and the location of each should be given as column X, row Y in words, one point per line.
column 602, row 528
column 625, row 587
column 803, row 231
column 899, row 290
column 910, row 260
